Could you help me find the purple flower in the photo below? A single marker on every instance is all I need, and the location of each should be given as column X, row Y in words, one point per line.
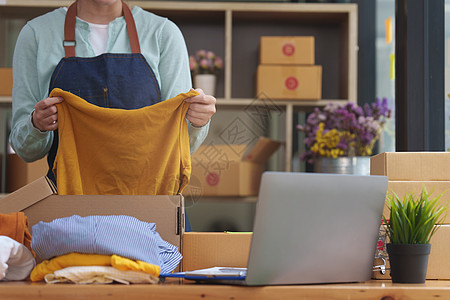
column 358, row 127
column 205, row 62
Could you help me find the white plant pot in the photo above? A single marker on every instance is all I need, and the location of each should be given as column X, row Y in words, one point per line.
column 206, row 82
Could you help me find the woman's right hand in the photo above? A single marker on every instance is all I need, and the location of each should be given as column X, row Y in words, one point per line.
column 45, row 114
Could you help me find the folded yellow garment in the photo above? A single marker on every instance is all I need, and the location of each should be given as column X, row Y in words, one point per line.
column 98, row 274
column 81, row 259
column 125, row 264
column 122, row 152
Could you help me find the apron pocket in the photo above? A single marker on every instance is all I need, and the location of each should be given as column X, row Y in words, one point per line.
column 98, row 96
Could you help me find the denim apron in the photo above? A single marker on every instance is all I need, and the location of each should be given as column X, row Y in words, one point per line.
column 109, row 80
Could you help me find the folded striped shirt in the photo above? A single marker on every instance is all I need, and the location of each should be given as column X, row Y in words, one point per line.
column 116, row 234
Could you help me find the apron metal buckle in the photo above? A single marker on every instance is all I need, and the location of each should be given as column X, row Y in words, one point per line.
column 69, row 43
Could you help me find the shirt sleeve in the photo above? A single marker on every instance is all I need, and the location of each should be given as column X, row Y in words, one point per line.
column 197, row 135
column 29, row 142
column 175, row 75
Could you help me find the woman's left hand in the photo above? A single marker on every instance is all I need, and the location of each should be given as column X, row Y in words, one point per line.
column 201, row 109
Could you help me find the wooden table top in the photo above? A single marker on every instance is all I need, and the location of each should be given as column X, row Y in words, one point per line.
column 375, row 289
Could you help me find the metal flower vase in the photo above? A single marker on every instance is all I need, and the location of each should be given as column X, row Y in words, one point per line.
column 206, row 82
column 358, row 165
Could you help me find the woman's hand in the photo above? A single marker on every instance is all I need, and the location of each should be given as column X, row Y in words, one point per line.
column 45, row 114
column 201, row 109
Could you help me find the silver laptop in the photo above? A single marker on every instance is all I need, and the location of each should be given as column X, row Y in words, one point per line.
column 310, row 228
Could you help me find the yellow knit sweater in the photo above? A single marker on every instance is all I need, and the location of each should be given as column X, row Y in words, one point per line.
column 122, row 152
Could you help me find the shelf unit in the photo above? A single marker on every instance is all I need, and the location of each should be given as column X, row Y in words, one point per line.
column 232, row 30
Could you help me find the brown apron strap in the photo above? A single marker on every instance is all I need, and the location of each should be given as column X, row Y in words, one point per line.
column 131, row 28
column 69, row 30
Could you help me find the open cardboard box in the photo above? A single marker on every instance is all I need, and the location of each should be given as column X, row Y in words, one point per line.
column 229, row 170
column 39, row 201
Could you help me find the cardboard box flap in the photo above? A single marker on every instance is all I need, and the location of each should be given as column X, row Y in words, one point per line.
column 27, row 195
column 259, row 153
column 262, row 150
column 218, row 153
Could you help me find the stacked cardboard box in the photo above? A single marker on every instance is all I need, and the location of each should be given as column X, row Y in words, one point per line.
column 409, row 172
column 287, row 69
column 6, row 81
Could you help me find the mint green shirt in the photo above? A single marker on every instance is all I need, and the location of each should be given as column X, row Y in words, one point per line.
column 39, row 49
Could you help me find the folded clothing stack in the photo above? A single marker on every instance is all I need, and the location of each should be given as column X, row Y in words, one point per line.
column 120, row 240
column 94, row 268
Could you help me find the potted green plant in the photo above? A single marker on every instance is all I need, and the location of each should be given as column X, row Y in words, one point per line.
column 411, row 224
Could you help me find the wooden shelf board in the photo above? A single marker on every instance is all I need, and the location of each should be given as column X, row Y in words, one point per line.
column 264, row 102
column 319, row 9
column 245, row 102
column 5, row 99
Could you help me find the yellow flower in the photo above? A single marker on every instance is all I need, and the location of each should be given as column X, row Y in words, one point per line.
column 326, row 144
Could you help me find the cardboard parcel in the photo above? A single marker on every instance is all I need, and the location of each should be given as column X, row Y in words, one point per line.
column 295, row 82
column 20, row 173
column 287, row 50
column 229, row 170
column 39, row 202
column 6, row 81
column 203, row 250
column 409, row 173
column 416, row 166
column 435, row 188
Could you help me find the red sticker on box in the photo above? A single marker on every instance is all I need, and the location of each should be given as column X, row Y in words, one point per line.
column 288, row 49
column 291, row 83
column 380, row 245
column 212, row 179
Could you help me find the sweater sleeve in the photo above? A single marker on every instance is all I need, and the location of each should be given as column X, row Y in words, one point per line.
column 176, row 76
column 29, row 143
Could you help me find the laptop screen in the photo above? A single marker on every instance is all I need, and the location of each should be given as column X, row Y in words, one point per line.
column 315, row 228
